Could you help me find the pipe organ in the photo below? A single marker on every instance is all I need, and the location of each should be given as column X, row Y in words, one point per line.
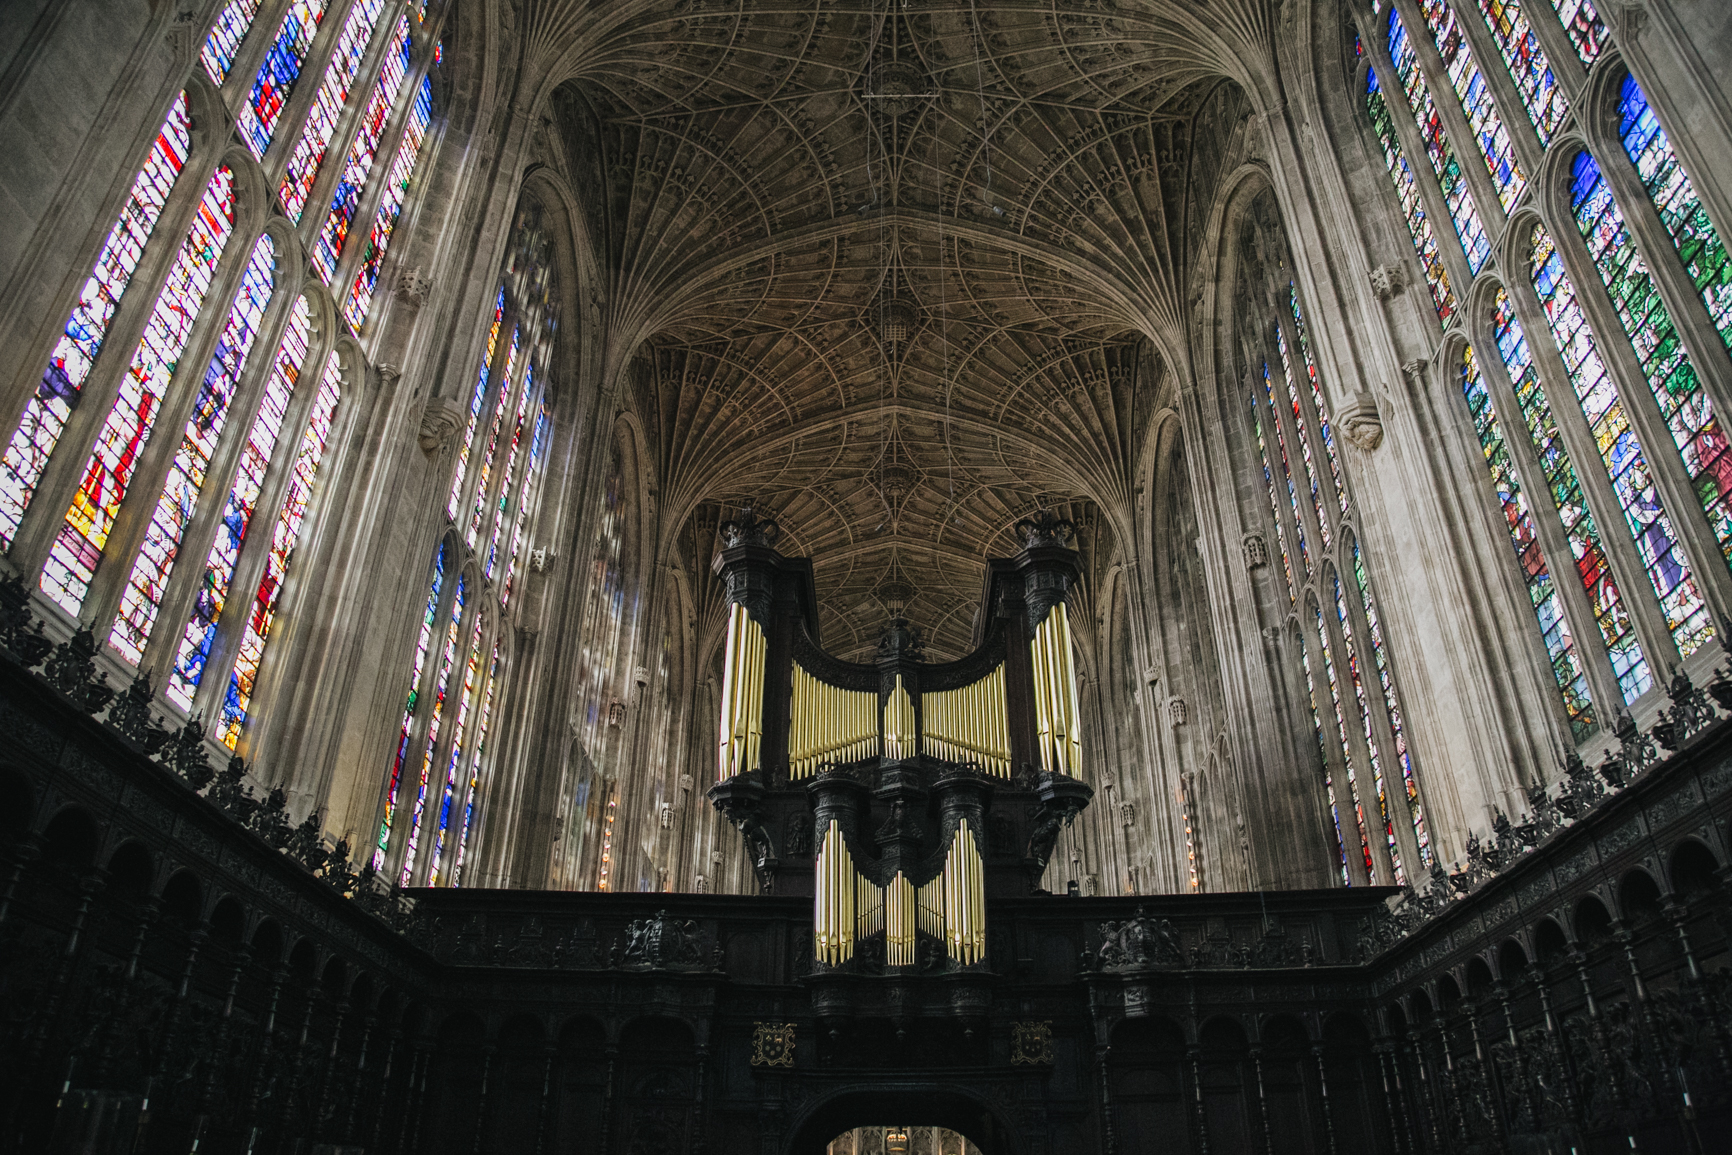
column 870, row 786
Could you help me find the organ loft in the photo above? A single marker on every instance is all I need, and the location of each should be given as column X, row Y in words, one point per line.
column 865, row 577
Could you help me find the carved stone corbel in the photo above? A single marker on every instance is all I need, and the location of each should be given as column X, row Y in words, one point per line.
column 1361, row 422
column 1256, row 550
column 413, row 285
column 439, row 420
column 1388, row 281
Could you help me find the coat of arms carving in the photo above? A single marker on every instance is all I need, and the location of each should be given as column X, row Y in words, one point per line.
column 773, row 1044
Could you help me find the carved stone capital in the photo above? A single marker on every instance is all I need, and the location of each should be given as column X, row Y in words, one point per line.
column 1388, row 281
column 439, row 420
column 1361, row 422
column 1415, row 369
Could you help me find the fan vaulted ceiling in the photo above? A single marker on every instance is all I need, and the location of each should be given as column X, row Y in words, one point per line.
column 895, row 269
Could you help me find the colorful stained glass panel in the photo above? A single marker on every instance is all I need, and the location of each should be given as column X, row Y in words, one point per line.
column 108, row 474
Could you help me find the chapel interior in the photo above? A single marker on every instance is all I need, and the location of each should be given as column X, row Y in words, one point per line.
column 865, row 577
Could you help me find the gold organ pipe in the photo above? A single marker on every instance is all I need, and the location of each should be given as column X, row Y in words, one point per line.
column 970, row 722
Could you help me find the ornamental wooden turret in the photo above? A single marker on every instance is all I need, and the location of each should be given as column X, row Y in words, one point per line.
column 899, row 794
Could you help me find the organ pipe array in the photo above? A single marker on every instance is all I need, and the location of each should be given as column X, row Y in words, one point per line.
column 848, row 907
column 969, row 724
column 742, row 693
column 833, row 906
column 828, row 724
column 1055, row 703
column 964, row 899
column 894, row 763
column 899, row 723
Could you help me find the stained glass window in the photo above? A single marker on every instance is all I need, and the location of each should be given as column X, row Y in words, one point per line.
column 275, row 83
column 474, row 784
column 285, row 532
column 226, row 34
column 1582, row 21
column 1697, row 241
column 1315, row 384
column 1274, row 501
column 309, row 153
column 360, row 299
column 1649, row 524
column 46, row 412
column 436, row 712
column 1476, row 102
column 1413, row 812
column 489, row 456
column 147, row 583
column 1683, row 402
column 1323, row 753
column 475, row 405
column 456, row 761
column 1382, row 818
column 77, row 551
column 200, row 632
column 512, row 454
column 1287, row 474
column 358, row 164
column 1407, row 191
column 1437, row 147
column 1545, row 102
column 525, row 495
column 406, row 733
column 1611, row 615
column 1519, row 517
column 1327, row 662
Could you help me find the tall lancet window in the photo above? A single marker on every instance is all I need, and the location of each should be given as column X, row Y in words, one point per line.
column 1593, row 381
column 184, row 414
column 1349, row 675
column 437, row 773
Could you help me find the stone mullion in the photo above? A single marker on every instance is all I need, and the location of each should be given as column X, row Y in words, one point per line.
column 348, row 119
column 65, row 467
column 1702, row 340
column 1665, row 464
column 1347, row 657
column 1456, row 128
column 1286, row 540
column 255, row 547
column 468, row 644
column 1590, row 643
column 456, row 696
column 1322, row 538
column 495, row 394
column 1320, row 455
column 1506, row 97
column 1383, row 731
column 187, row 576
column 417, row 742
column 1449, row 245
column 294, row 117
column 237, row 87
column 1346, row 795
column 143, row 491
column 1622, row 556
column 510, row 395
column 390, row 142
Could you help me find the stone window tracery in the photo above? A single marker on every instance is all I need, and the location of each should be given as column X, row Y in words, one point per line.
column 1613, row 266
column 210, row 365
column 1349, row 677
column 440, row 759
